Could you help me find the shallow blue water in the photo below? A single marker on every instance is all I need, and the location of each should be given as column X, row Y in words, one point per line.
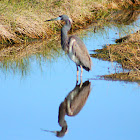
column 29, row 104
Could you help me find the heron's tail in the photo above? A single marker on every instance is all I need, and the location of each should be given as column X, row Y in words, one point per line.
column 86, row 68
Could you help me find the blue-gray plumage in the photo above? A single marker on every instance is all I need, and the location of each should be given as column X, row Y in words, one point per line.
column 74, row 46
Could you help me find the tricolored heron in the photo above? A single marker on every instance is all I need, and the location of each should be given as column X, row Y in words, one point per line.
column 72, row 105
column 74, row 46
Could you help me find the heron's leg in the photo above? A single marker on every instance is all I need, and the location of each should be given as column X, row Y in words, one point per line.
column 81, row 82
column 81, row 70
column 77, row 73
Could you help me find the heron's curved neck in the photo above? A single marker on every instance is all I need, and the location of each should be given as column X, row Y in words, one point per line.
column 64, row 36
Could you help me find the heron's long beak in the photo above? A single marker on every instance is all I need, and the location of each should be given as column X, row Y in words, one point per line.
column 58, row 18
column 55, row 132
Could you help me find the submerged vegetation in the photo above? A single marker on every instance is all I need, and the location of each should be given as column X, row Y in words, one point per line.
column 17, row 58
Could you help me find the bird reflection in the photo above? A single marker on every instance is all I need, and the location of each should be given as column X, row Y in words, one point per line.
column 72, row 105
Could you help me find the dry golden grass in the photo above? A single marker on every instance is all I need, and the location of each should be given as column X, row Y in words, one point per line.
column 132, row 76
column 118, row 4
column 135, row 37
column 18, row 52
column 128, row 54
column 22, row 19
column 19, row 20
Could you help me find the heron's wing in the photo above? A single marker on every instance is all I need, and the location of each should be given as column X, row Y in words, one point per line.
column 80, row 51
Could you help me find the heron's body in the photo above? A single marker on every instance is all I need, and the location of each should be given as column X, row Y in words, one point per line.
column 78, row 53
column 74, row 46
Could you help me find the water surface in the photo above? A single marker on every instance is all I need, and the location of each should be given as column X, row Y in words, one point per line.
column 30, row 103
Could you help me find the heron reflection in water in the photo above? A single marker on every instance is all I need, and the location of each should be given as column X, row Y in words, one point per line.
column 74, row 46
column 72, row 105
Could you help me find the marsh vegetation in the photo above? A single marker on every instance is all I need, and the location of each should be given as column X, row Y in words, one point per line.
column 22, row 20
column 126, row 51
column 24, row 35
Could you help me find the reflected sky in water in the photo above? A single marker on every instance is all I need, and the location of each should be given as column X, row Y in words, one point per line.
column 31, row 103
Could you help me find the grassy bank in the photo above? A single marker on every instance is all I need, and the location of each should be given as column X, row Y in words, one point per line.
column 22, row 20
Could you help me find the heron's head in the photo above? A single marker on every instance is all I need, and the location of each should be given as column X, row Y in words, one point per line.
column 60, row 133
column 65, row 18
column 62, row 17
